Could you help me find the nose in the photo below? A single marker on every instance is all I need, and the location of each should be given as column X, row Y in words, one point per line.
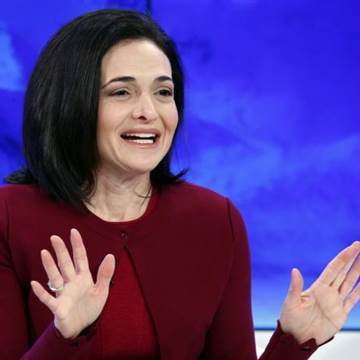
column 144, row 108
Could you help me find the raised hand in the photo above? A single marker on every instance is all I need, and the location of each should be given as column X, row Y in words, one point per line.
column 78, row 301
column 321, row 311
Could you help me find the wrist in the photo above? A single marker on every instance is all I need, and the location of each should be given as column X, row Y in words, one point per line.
column 299, row 338
column 65, row 333
column 87, row 332
column 306, row 337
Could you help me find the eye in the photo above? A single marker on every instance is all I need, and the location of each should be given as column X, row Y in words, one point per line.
column 120, row 93
column 165, row 92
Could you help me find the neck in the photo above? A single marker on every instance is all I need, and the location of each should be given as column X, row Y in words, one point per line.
column 120, row 199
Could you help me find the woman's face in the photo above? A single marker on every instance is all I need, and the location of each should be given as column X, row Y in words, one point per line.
column 137, row 115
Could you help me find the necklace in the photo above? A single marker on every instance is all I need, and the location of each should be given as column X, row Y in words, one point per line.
column 146, row 196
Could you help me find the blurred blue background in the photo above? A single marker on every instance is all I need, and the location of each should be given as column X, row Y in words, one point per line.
column 272, row 118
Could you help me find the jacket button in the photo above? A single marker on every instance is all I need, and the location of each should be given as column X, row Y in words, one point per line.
column 124, row 235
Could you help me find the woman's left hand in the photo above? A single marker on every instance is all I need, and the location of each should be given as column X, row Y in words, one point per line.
column 321, row 310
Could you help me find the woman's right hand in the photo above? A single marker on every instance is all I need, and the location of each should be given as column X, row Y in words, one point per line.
column 79, row 303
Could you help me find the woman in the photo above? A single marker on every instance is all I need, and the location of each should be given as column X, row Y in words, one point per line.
column 170, row 259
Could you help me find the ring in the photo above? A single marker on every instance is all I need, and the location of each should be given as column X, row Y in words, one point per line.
column 54, row 289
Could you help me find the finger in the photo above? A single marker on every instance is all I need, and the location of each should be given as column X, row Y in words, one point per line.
column 336, row 284
column 295, row 288
column 344, row 272
column 79, row 251
column 105, row 273
column 51, row 269
column 43, row 296
column 352, row 299
column 351, row 279
column 64, row 261
column 337, row 264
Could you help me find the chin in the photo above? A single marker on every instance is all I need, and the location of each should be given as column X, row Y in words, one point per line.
column 143, row 169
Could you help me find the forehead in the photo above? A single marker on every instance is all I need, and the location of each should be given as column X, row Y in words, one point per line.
column 135, row 58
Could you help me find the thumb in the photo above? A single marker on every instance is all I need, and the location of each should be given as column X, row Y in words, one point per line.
column 105, row 273
column 296, row 287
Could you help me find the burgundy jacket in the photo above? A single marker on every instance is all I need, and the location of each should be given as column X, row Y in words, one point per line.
column 191, row 258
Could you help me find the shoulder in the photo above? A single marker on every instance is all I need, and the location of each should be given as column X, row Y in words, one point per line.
column 22, row 201
column 20, row 193
column 209, row 221
column 190, row 193
column 201, row 202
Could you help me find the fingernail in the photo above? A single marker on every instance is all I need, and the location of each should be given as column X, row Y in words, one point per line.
column 74, row 231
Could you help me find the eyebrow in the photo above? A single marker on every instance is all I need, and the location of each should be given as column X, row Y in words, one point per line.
column 132, row 79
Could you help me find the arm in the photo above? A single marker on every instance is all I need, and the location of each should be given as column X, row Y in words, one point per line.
column 231, row 335
column 321, row 311
column 15, row 335
column 314, row 316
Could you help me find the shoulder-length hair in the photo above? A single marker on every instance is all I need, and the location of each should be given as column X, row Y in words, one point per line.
column 61, row 103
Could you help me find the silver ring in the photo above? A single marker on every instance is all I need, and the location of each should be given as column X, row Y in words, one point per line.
column 54, row 289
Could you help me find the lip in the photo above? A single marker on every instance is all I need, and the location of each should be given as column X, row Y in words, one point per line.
column 142, row 131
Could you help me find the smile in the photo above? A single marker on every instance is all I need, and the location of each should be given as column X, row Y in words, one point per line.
column 140, row 138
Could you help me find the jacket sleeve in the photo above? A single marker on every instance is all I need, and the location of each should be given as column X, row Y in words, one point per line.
column 15, row 329
column 231, row 335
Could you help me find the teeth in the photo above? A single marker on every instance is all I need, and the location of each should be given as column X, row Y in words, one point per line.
column 140, row 138
column 142, row 141
column 144, row 135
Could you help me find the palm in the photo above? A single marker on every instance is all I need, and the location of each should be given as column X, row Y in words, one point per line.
column 81, row 300
column 78, row 302
column 321, row 311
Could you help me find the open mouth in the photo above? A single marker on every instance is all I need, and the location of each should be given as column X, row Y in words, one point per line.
column 140, row 138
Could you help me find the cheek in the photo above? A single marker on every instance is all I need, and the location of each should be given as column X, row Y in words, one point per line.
column 101, row 120
column 173, row 119
column 105, row 129
column 101, row 132
column 108, row 119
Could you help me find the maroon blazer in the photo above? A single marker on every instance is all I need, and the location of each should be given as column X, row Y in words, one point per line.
column 191, row 257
